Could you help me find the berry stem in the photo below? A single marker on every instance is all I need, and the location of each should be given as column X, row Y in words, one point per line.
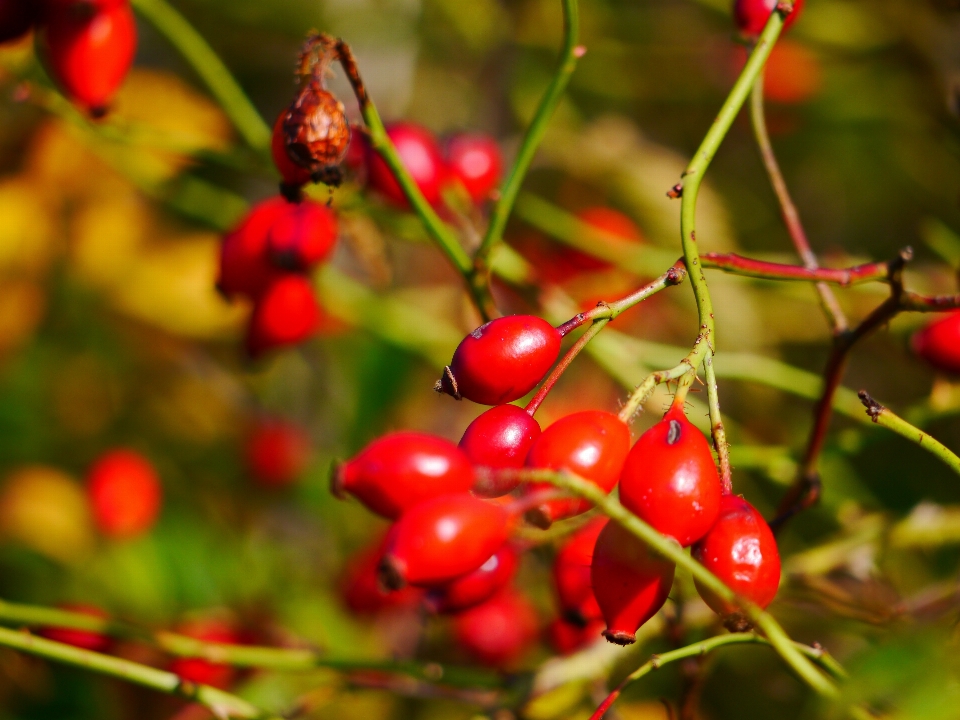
column 564, row 363
column 210, row 68
column 645, row 389
column 569, row 54
column 717, row 430
column 761, row 269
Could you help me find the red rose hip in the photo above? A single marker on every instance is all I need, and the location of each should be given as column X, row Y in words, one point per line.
column 204, row 672
column 287, row 313
column 751, row 15
column 302, row 236
column 401, row 470
column 86, row 639
column 277, row 452
column 670, row 479
column 499, row 631
column 567, row 637
column 420, row 155
column 124, row 492
column 245, row 268
column 741, row 551
column 477, row 586
column 571, row 574
column 361, row 590
column 476, row 162
column 592, row 444
column 629, row 582
column 499, row 438
column 939, row 343
column 502, row 360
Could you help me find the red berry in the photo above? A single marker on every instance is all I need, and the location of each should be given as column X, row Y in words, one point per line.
column 277, row 452
column 361, row 590
column 204, row 672
column 420, row 154
column 245, row 268
column 16, row 18
column 89, row 54
column 939, row 343
column 293, row 175
column 85, row 639
column 567, row 637
column 741, row 551
column 630, row 583
column 751, row 15
column 401, row 470
column 477, row 586
column 593, row 444
column 124, row 492
column 670, row 479
column 443, row 538
column 302, row 236
column 287, row 313
column 499, row 631
column 571, row 573
column 500, row 438
column 502, row 360
column 476, row 162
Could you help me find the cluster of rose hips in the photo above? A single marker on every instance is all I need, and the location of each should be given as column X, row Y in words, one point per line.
column 453, row 514
column 87, row 45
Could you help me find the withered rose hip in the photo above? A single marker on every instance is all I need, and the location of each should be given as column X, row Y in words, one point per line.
column 316, row 132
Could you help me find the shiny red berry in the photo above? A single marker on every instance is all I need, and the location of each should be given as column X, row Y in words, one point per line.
column 751, row 15
column 593, row 444
column 277, row 452
column 500, row 631
column 741, row 551
column 204, row 672
column 399, row 471
column 285, row 314
column 86, row 639
column 89, row 54
column 630, row 583
column 302, row 236
column 499, row 438
column 361, row 590
column 939, row 343
column 477, row 586
column 441, row 539
column 125, row 493
column 475, row 161
column 245, row 268
column 571, row 574
column 16, row 18
column 566, row 637
column 670, row 479
column 421, row 156
column 502, row 360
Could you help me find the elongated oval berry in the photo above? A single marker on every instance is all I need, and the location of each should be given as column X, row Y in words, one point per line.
column 443, row 538
column 89, row 54
column 571, row 574
column 477, row 586
column 285, row 314
column 502, row 360
column 125, row 493
column 16, row 18
column 498, row 632
column 86, row 639
column 277, row 452
column 420, row 154
column 302, row 236
column 361, row 590
column 630, row 583
column 670, row 479
column 741, row 551
column 751, row 15
column 401, row 470
column 499, row 438
column 593, row 444
column 198, row 670
column 939, row 343
column 245, row 268
column 476, row 162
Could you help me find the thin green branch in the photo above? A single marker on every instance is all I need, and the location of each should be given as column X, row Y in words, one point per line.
column 716, row 425
column 221, row 703
column 884, row 417
column 642, row 392
column 569, row 54
column 211, row 69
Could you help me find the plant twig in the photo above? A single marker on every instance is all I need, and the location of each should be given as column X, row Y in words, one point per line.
column 717, row 430
column 761, row 269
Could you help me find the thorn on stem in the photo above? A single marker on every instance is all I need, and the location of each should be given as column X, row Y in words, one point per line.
column 874, row 409
column 676, row 192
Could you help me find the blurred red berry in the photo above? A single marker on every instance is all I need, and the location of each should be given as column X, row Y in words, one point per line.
column 245, row 268
column 204, row 672
column 939, row 343
column 475, row 161
column 571, row 573
column 293, row 175
column 751, row 15
column 793, row 73
column 286, row 313
column 85, row 639
column 16, row 18
column 361, row 590
column 277, row 452
column 124, row 492
column 566, row 637
column 401, row 470
column 477, row 586
column 421, row 156
column 302, row 235
column 499, row 631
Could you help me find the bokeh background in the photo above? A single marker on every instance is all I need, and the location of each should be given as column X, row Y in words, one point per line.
column 112, row 334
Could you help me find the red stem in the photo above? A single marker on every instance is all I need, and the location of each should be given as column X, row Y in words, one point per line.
column 564, row 363
column 733, row 263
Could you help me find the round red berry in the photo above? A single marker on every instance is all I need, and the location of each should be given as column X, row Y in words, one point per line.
column 499, row 438
column 477, row 586
column 592, row 444
column 571, row 574
column 16, row 18
column 630, row 583
column 361, row 590
column 670, row 479
column 939, row 343
column 277, row 452
column 286, row 313
column 86, row 639
column 498, row 632
column 751, row 15
column 204, row 672
column 245, row 268
column 302, row 235
column 125, row 493
column 400, row 470
column 443, row 538
column 502, row 360
column 421, row 156
column 566, row 637
column 741, row 551
column 475, row 161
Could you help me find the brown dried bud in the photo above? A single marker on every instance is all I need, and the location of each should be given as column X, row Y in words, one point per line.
column 316, row 133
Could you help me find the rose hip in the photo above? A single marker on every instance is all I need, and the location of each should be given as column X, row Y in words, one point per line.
column 566, row 637
column 477, row 586
column 277, row 452
column 86, row 639
column 285, row 314
column 502, row 360
column 571, row 574
column 751, row 15
column 476, row 162
column 420, row 155
column 245, row 268
column 361, row 590
column 124, row 493
column 302, row 235
column 401, row 470
column 499, row 438
column 498, row 632
column 204, row 672
column 939, row 343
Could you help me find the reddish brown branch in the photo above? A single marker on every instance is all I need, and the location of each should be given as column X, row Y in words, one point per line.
column 844, row 277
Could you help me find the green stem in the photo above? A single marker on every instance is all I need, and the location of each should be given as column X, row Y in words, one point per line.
column 221, row 703
column 717, row 430
column 645, row 389
column 210, row 68
column 886, row 418
column 569, row 54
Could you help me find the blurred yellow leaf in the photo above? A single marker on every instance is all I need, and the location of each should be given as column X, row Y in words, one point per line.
column 22, row 304
column 26, row 232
